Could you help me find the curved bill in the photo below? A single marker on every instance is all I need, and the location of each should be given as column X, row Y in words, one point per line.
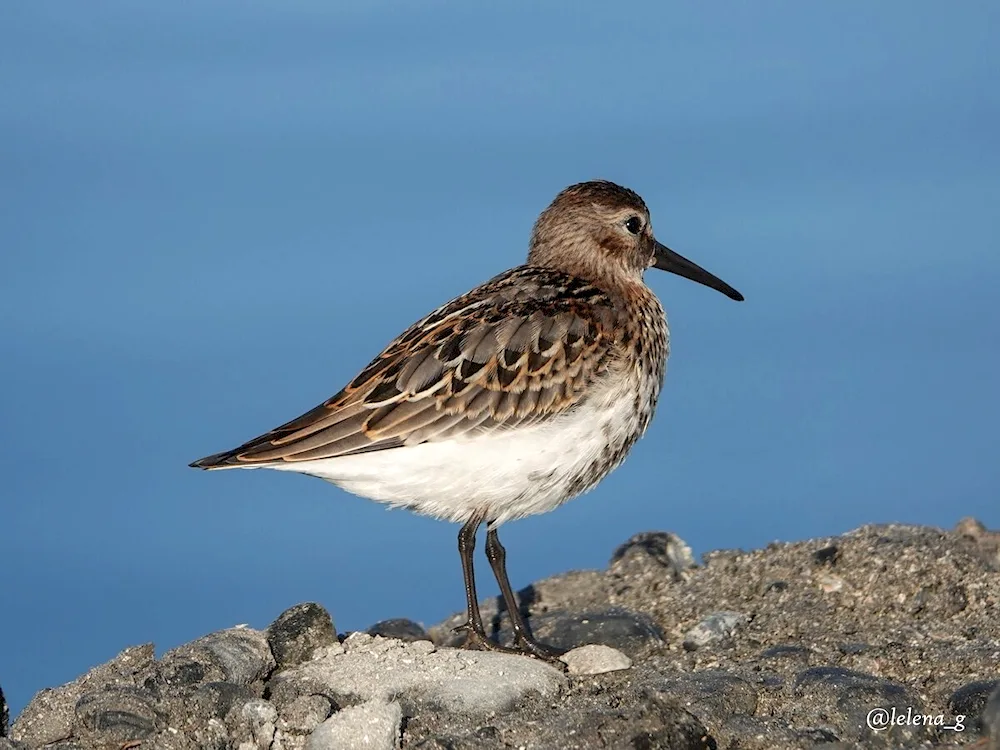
column 667, row 260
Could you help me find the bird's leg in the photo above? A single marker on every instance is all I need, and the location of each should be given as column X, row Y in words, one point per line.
column 523, row 639
column 475, row 634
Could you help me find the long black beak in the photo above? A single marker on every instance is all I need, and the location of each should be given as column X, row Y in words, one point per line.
column 667, row 260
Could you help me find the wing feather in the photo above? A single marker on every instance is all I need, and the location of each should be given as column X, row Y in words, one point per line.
column 518, row 350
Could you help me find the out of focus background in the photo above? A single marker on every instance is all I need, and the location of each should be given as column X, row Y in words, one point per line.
column 213, row 215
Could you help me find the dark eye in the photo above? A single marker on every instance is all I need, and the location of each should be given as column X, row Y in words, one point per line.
column 634, row 224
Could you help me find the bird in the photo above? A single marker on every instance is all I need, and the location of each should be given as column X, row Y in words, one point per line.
column 509, row 400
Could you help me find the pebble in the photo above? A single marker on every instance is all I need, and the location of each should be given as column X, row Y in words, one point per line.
column 990, row 719
column 401, row 628
column 661, row 548
column 970, row 700
column 371, row 726
column 239, row 655
column 298, row 632
column 916, row 603
column 467, row 683
column 595, row 659
column 716, row 627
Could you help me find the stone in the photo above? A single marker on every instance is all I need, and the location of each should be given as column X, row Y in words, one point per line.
column 118, row 715
column 373, row 726
column 903, row 618
column 299, row 632
column 989, row 720
column 4, row 715
column 716, row 627
column 710, row 695
column 254, row 726
column 846, row 697
column 633, row 633
column 401, row 628
column 218, row 699
column 303, row 714
column 50, row 715
column 468, row 683
column 239, row 655
column 970, row 699
column 827, row 555
column 595, row 659
column 660, row 548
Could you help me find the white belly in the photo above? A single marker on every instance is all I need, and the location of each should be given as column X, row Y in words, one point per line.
column 502, row 476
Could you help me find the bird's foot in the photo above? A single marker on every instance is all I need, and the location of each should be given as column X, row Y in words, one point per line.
column 545, row 652
column 479, row 641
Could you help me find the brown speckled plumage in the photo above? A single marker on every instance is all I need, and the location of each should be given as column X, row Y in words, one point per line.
column 510, row 399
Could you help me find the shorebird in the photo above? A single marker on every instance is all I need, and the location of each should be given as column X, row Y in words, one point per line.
column 509, row 400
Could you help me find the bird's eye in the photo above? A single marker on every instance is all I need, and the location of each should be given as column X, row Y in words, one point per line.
column 634, row 224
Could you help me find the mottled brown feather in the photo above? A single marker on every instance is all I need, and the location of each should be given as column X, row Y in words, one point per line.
column 520, row 349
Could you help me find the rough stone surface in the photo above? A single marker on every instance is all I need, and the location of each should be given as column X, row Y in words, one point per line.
column 595, row 660
column 374, row 726
column 970, row 700
column 298, row 632
column 4, row 715
column 990, row 719
column 716, row 627
column 238, row 655
column 420, row 677
column 798, row 644
column 401, row 628
column 51, row 714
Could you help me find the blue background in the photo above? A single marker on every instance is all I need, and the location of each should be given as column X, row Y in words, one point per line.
column 213, row 215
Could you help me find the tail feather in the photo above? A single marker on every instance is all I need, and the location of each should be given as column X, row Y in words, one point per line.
column 217, row 461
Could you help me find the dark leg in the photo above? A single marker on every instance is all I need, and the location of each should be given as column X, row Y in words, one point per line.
column 523, row 639
column 475, row 633
column 466, row 548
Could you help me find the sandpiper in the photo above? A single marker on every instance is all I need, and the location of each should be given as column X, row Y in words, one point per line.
column 509, row 400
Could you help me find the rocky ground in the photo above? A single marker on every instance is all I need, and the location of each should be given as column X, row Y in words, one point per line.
column 793, row 646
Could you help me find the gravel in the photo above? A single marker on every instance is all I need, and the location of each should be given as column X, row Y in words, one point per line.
column 885, row 637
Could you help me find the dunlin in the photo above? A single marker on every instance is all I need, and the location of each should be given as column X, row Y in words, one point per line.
column 509, row 400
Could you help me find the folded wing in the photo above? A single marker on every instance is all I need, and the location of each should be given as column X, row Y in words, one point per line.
column 518, row 350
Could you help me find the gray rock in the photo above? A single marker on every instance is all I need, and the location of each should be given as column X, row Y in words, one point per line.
column 401, row 628
column 909, row 617
column 714, row 628
column 595, row 659
column 711, row 695
column 299, row 632
column 659, row 548
column 304, row 714
column 607, row 714
column 50, row 715
column 117, row 715
column 217, row 699
column 970, row 700
column 633, row 633
column 827, row 555
column 989, row 720
column 238, row 655
column 845, row 698
column 375, row 725
column 254, row 725
column 376, row 669
column 4, row 715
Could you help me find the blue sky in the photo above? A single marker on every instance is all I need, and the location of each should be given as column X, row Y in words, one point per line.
column 213, row 215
